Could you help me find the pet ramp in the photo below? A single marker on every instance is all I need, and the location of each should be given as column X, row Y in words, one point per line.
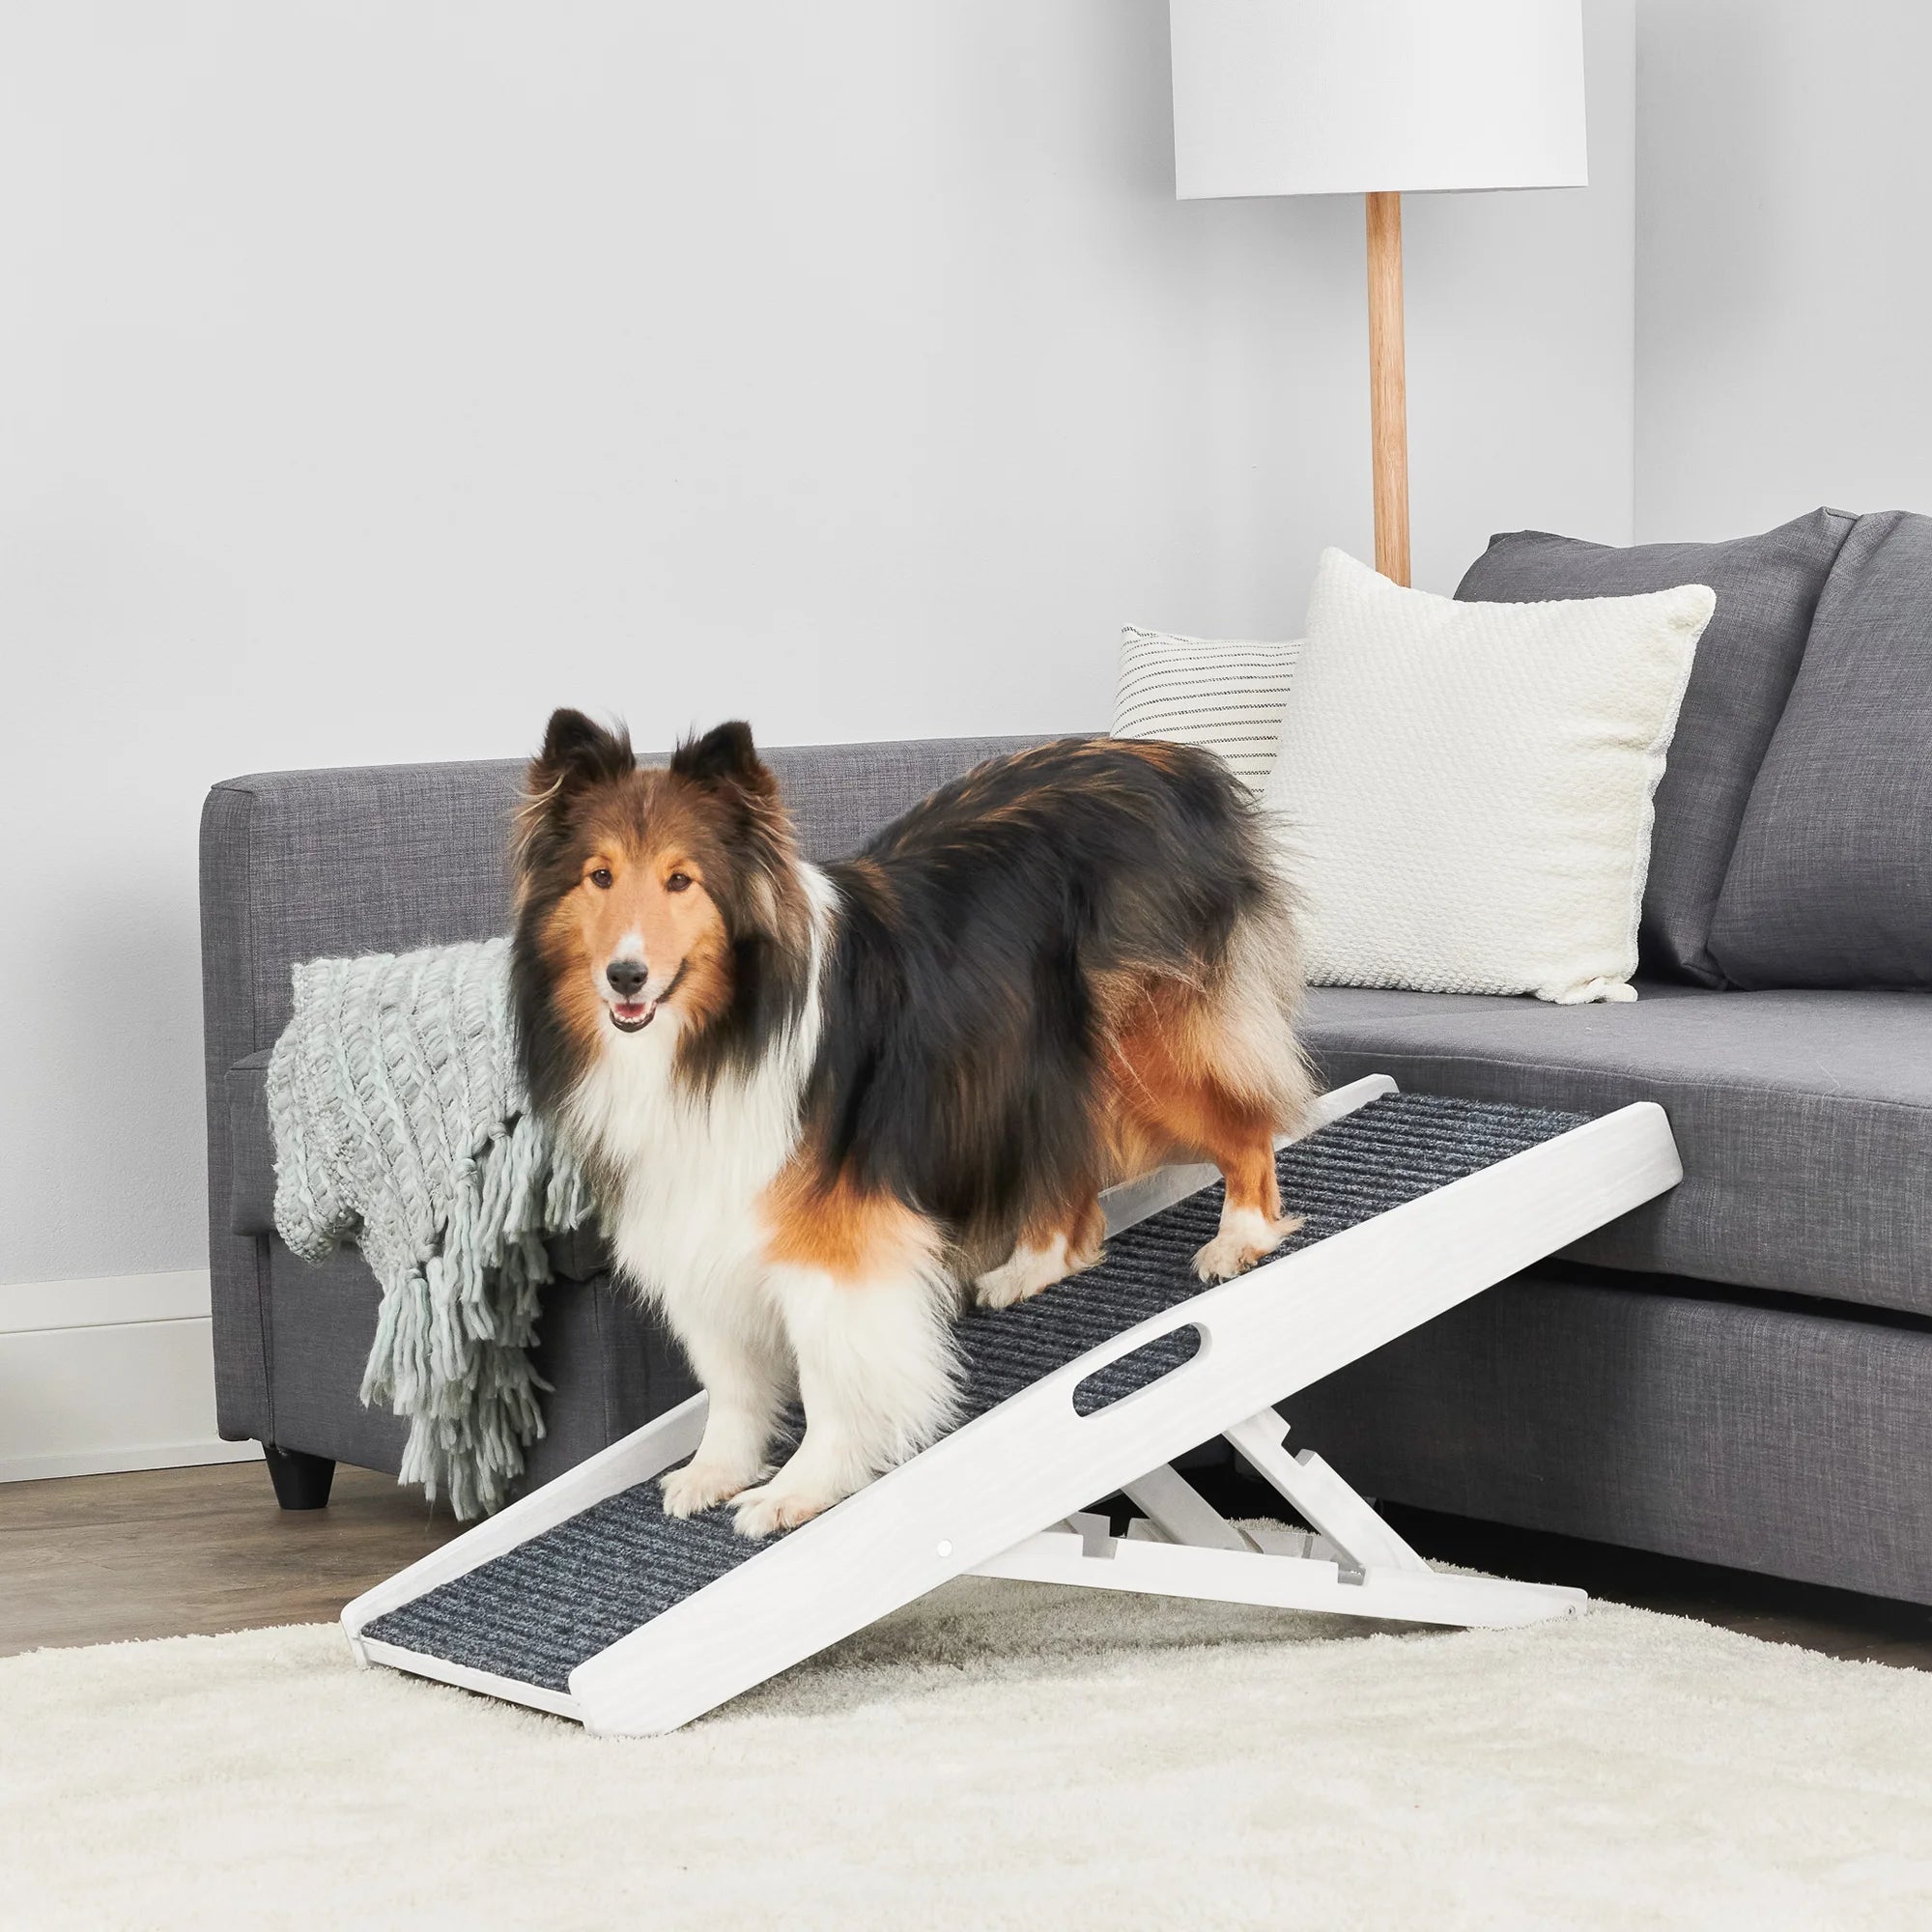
column 584, row 1599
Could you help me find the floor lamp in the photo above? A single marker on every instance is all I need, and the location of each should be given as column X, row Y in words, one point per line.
column 1376, row 98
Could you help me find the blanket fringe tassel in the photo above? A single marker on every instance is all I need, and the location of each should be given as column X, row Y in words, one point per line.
column 452, row 1335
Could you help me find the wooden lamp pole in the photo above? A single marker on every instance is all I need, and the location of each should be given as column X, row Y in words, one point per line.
column 1388, row 400
column 1310, row 97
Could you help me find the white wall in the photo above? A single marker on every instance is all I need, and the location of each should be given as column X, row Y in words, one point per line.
column 375, row 377
column 1785, row 177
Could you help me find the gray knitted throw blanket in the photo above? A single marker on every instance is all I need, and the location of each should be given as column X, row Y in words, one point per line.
column 400, row 1120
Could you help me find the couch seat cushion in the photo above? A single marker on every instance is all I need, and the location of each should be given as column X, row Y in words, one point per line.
column 1804, row 1118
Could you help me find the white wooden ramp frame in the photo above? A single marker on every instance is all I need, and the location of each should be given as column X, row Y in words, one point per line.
column 1005, row 1495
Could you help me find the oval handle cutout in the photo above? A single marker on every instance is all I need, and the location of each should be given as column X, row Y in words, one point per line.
column 1138, row 1369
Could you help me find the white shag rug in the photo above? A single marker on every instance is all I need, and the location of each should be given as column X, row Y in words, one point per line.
column 999, row 1756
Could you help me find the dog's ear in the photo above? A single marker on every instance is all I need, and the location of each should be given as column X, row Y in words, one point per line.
column 577, row 752
column 725, row 763
column 725, row 756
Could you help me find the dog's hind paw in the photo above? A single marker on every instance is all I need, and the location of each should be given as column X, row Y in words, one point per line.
column 1022, row 1276
column 1235, row 1250
column 700, row 1486
column 1027, row 1269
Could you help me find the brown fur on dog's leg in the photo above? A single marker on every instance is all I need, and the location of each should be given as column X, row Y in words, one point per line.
column 1252, row 1224
column 1169, row 1093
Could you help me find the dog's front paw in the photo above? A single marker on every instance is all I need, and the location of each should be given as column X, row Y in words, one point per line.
column 700, row 1486
column 1235, row 1250
column 771, row 1507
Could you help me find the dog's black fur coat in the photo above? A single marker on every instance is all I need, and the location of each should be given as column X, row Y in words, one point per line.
column 960, row 1055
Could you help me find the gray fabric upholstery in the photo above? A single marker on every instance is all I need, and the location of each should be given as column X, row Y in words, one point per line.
column 1650, row 1415
column 237, row 1264
column 1830, row 884
column 251, row 1184
column 300, row 865
column 612, row 1367
column 1767, row 588
column 1804, row 1118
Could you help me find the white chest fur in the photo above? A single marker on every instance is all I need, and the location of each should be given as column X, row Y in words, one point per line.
column 693, row 1164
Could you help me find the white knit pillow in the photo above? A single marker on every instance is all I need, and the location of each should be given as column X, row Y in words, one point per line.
column 1196, row 690
column 1469, row 785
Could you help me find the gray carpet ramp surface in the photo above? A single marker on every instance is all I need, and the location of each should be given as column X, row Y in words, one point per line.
column 538, row 1611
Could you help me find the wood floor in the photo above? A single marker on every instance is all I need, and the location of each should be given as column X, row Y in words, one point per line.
column 163, row 1553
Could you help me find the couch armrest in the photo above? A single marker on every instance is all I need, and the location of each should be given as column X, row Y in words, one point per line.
column 295, row 865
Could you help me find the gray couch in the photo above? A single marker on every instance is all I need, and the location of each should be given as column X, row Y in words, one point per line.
column 1741, row 1372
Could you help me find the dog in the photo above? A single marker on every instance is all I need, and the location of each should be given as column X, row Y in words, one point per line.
column 821, row 1106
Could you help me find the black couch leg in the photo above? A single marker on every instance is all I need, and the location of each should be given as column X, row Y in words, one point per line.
column 302, row 1481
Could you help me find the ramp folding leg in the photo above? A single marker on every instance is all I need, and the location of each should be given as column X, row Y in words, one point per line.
column 585, row 1600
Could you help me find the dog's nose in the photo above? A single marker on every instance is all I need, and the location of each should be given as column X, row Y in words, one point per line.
column 627, row 977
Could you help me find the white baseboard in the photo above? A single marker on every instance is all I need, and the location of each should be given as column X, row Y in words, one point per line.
column 100, row 1300
column 117, row 1461
column 108, row 1374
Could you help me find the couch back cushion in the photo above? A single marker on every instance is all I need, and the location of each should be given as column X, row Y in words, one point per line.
column 1830, row 883
column 1767, row 587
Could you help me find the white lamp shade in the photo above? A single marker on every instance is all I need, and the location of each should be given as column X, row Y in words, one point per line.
column 1352, row 97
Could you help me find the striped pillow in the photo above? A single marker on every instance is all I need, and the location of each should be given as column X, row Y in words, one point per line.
column 1227, row 697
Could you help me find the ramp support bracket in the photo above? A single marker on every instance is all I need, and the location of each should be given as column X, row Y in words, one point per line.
column 1348, row 1563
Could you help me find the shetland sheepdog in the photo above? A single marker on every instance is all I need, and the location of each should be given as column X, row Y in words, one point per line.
column 821, row 1106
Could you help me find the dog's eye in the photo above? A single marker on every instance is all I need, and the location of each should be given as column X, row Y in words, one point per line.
column 601, row 878
column 677, row 881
